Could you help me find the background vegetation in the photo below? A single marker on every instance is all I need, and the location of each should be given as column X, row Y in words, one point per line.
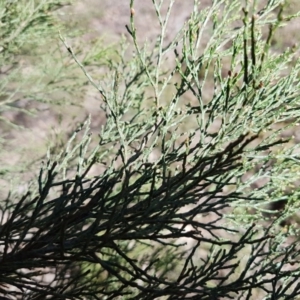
column 185, row 186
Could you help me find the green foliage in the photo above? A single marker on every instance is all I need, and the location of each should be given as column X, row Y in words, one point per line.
column 38, row 82
column 173, row 198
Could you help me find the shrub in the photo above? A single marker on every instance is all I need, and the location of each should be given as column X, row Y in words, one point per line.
column 40, row 84
column 171, row 200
